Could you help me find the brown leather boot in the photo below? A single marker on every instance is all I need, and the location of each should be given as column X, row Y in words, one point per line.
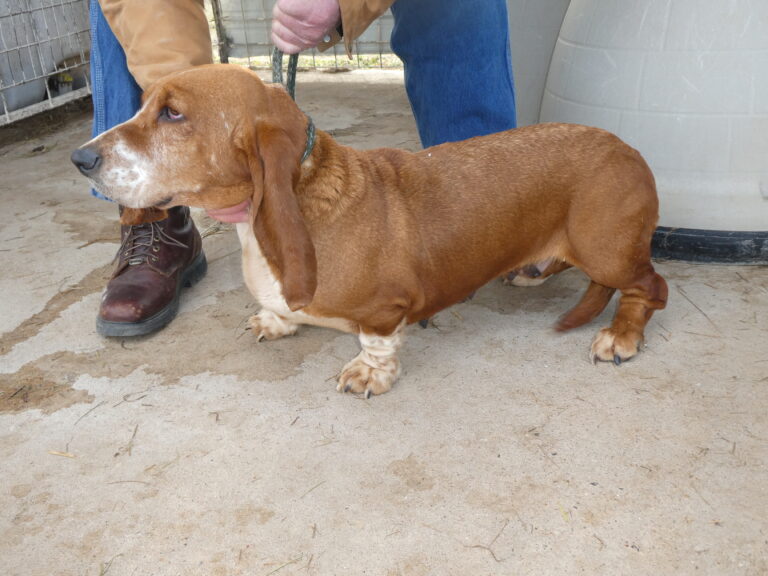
column 155, row 260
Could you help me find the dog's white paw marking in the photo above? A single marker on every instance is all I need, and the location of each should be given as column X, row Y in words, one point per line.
column 360, row 377
column 376, row 368
column 608, row 346
column 267, row 325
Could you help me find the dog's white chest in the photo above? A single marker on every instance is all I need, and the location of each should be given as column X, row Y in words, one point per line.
column 268, row 290
column 262, row 283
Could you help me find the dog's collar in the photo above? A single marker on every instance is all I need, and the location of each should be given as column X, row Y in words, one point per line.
column 310, row 139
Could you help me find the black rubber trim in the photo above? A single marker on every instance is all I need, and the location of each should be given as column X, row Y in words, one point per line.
column 721, row 246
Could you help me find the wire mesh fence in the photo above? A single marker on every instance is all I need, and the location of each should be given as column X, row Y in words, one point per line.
column 44, row 53
column 241, row 30
column 45, row 49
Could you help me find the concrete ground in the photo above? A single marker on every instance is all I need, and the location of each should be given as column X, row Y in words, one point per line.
column 501, row 450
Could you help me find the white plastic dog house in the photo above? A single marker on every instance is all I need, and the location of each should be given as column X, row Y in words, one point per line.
column 686, row 83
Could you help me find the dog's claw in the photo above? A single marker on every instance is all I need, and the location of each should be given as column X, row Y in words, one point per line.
column 594, row 359
column 424, row 323
column 617, row 359
column 367, row 393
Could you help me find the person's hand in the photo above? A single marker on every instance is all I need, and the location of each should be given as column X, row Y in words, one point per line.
column 301, row 24
column 233, row 214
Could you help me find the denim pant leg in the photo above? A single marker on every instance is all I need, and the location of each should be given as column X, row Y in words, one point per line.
column 116, row 96
column 458, row 71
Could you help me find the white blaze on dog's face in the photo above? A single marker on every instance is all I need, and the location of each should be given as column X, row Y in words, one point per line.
column 215, row 136
column 178, row 148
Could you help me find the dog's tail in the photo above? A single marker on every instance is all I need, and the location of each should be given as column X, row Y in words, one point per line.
column 590, row 306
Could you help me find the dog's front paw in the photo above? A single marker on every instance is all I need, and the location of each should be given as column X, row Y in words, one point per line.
column 609, row 346
column 267, row 325
column 359, row 377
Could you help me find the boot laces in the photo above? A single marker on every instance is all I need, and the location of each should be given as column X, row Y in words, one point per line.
column 142, row 242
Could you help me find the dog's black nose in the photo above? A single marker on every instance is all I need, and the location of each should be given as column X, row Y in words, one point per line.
column 86, row 159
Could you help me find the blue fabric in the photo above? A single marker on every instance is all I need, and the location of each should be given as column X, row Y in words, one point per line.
column 458, row 71
column 116, row 96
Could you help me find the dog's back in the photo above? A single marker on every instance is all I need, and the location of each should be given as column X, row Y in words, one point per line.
column 463, row 213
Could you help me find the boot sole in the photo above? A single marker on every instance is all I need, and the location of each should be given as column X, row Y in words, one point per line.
column 190, row 276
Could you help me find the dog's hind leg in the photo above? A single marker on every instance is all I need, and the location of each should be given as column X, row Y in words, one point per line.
column 590, row 306
column 535, row 274
column 639, row 299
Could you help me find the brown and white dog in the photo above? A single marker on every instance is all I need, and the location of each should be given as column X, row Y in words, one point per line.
column 369, row 241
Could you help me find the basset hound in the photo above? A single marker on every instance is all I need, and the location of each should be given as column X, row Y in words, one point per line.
column 370, row 241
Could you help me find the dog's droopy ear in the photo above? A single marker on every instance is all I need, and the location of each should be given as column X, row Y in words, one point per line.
column 275, row 161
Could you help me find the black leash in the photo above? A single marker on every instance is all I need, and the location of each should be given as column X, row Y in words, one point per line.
column 290, row 87
column 277, row 71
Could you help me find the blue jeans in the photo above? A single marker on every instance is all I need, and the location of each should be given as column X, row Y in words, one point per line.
column 116, row 96
column 458, row 71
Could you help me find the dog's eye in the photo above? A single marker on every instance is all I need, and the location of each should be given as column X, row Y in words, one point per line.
column 171, row 115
